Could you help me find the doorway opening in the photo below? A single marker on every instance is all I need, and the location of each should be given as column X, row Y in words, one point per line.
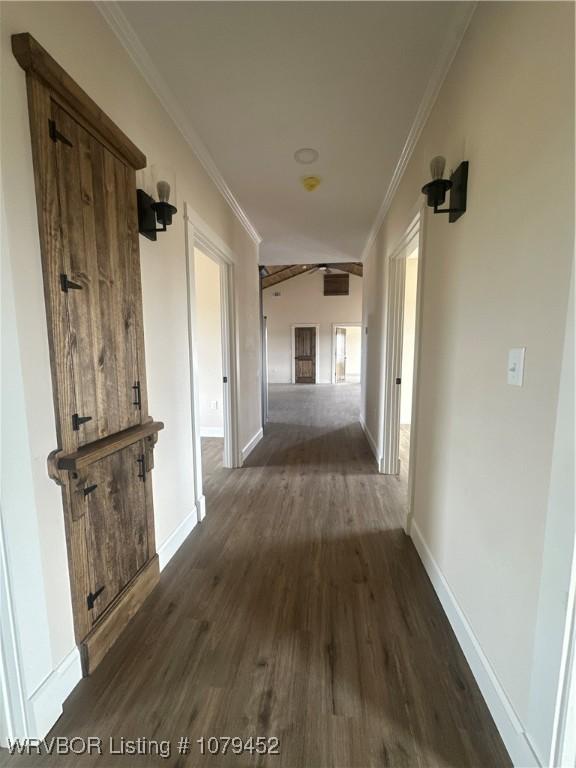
column 208, row 304
column 407, row 360
column 346, row 353
column 304, row 354
column 300, row 317
column 212, row 353
column 401, row 360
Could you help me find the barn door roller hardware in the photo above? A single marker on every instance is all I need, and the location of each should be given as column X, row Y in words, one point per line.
column 89, row 489
column 436, row 189
column 90, row 599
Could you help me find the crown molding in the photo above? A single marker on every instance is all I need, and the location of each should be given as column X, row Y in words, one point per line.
column 133, row 46
column 435, row 82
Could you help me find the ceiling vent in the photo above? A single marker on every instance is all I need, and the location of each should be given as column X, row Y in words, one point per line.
column 336, row 285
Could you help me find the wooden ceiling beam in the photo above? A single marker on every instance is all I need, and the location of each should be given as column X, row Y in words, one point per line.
column 281, row 273
column 353, row 267
column 292, row 270
column 278, row 268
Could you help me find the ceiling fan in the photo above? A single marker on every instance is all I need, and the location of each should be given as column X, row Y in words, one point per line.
column 322, row 268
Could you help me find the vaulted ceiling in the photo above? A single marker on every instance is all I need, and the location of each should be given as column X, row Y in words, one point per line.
column 272, row 275
column 258, row 80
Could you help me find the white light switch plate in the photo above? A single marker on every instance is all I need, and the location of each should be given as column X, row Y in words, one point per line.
column 516, row 366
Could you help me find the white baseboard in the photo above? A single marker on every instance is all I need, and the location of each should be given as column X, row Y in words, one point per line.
column 251, row 444
column 201, row 508
column 211, row 431
column 371, row 443
column 507, row 721
column 170, row 546
column 45, row 703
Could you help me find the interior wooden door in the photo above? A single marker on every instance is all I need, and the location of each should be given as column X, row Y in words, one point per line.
column 84, row 172
column 340, row 364
column 100, row 281
column 305, row 355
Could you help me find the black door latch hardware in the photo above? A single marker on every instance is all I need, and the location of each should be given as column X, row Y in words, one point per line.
column 398, row 380
column 92, row 597
column 55, row 134
column 225, row 379
column 141, row 460
column 137, row 395
column 78, row 420
column 68, row 285
column 89, row 488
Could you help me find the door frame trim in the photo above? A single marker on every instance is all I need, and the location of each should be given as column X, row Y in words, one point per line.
column 392, row 342
column 333, row 348
column 563, row 747
column 293, row 350
column 199, row 235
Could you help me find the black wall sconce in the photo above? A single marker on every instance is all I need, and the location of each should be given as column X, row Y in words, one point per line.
column 436, row 189
column 151, row 212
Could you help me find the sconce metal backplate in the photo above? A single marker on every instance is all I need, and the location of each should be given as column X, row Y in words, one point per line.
column 458, row 192
column 146, row 215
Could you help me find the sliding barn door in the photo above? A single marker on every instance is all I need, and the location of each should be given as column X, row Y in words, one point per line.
column 84, row 169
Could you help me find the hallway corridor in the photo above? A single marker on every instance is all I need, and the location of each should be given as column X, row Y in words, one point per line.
column 298, row 609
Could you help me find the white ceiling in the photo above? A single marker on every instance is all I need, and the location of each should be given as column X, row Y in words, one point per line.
column 258, row 80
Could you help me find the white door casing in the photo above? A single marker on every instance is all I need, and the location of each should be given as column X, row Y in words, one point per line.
column 199, row 235
column 392, row 352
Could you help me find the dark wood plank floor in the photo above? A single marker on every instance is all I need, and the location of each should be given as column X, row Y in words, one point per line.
column 212, row 456
column 298, row 609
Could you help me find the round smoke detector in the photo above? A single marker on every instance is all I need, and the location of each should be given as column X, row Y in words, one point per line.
column 306, row 155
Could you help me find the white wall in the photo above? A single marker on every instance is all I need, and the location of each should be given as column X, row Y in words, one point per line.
column 81, row 41
column 209, row 341
column 408, row 339
column 498, row 278
column 302, row 300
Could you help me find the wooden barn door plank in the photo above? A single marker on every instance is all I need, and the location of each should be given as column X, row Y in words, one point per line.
column 55, row 260
column 78, row 270
column 129, row 299
column 116, row 525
